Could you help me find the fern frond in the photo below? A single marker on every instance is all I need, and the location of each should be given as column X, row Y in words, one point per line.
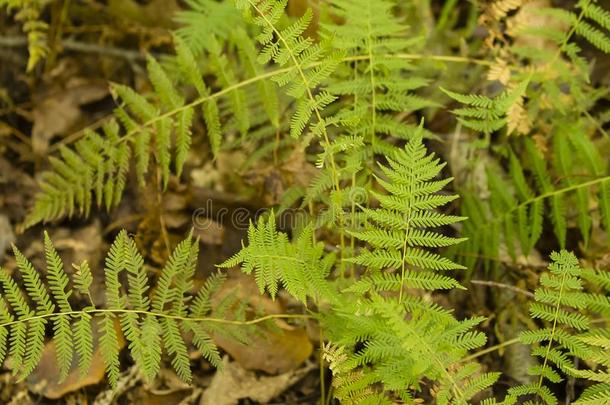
column 155, row 127
column 562, row 279
column 128, row 311
column 397, row 230
column 29, row 13
column 300, row 266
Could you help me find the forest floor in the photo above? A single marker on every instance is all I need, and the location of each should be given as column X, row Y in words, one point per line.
column 50, row 107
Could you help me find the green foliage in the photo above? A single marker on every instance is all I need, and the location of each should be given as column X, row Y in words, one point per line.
column 357, row 81
column 398, row 230
column 562, row 189
column 155, row 127
column 28, row 12
column 301, row 266
column 147, row 325
column 379, row 83
column 560, row 302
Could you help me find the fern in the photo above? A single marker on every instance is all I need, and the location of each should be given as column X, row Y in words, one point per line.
column 28, row 12
column 487, row 115
column 598, row 343
column 517, row 207
column 558, row 301
column 398, row 229
column 403, row 339
column 157, row 126
column 378, row 83
column 287, row 47
column 301, row 266
column 145, row 324
column 401, row 344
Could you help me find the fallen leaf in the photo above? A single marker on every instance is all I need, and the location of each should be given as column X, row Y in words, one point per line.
column 277, row 351
column 58, row 112
column 45, row 379
column 233, row 382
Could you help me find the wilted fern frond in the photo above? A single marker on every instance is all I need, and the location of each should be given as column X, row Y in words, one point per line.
column 559, row 301
column 398, row 231
column 28, row 12
column 563, row 190
column 301, row 265
column 147, row 324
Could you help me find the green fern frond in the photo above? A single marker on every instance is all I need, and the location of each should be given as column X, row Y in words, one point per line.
column 29, row 13
column 128, row 311
column 377, row 83
column 555, row 305
column 156, row 127
column 301, row 266
column 396, row 351
column 396, row 233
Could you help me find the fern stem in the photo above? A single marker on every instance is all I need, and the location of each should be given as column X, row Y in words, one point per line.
column 509, row 213
column 263, row 76
column 371, row 75
column 94, row 311
column 553, row 329
column 502, row 285
column 322, row 382
column 489, row 350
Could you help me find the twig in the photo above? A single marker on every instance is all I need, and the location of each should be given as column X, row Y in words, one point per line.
column 72, row 45
column 502, row 285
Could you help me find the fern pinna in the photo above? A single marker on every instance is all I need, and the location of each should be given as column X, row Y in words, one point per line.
column 148, row 321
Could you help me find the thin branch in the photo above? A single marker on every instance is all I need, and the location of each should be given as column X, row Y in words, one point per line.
column 505, row 286
column 77, row 46
column 159, row 315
